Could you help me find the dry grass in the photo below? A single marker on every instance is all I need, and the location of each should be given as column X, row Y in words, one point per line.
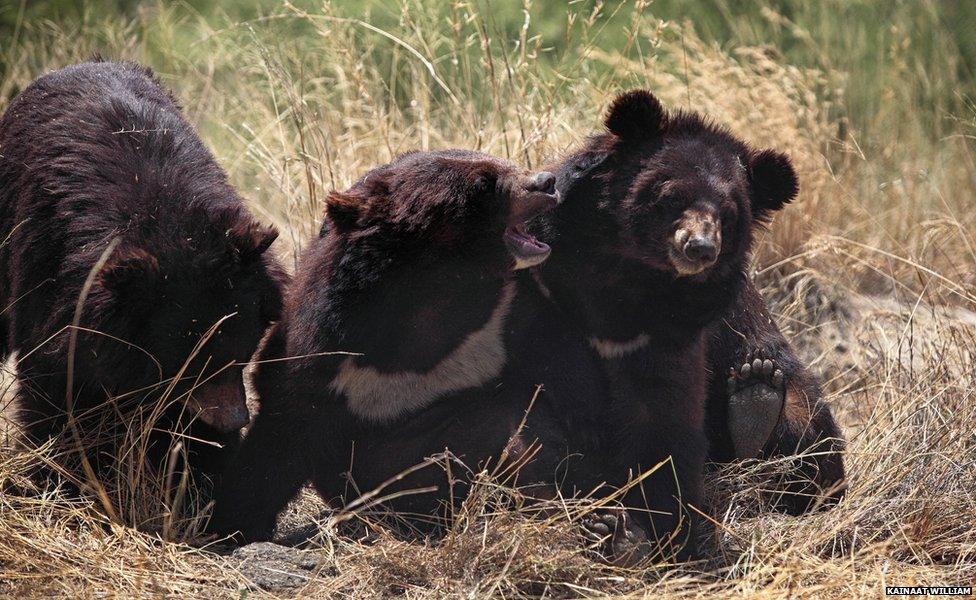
column 872, row 272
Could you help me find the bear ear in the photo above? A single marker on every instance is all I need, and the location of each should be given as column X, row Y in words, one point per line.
column 636, row 114
column 129, row 270
column 773, row 183
column 343, row 209
column 251, row 239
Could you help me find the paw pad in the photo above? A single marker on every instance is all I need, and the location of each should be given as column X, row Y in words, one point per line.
column 758, row 368
column 756, row 394
column 623, row 543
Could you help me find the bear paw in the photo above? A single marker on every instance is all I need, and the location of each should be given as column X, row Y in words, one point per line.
column 618, row 539
column 756, row 393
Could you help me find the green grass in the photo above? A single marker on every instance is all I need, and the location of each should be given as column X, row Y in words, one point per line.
column 906, row 55
column 874, row 102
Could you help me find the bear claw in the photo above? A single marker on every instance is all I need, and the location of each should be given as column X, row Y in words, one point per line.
column 756, row 396
column 624, row 544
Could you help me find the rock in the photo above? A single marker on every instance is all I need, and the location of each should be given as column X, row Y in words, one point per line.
column 273, row 567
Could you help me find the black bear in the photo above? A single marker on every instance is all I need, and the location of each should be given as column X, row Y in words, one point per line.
column 110, row 202
column 649, row 248
column 761, row 399
column 414, row 274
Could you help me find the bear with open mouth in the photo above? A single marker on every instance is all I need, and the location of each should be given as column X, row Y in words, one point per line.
column 650, row 248
column 108, row 196
column 406, row 339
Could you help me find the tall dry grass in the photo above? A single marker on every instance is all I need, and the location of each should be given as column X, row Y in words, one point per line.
column 872, row 272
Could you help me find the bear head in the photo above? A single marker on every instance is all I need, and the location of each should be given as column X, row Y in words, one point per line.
column 446, row 206
column 671, row 191
column 180, row 307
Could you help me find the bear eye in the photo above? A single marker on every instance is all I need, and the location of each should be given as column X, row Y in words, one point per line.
column 662, row 196
column 484, row 182
column 587, row 162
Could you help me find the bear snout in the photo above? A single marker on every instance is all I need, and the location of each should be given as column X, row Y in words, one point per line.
column 701, row 248
column 543, row 181
column 696, row 243
column 222, row 404
column 538, row 196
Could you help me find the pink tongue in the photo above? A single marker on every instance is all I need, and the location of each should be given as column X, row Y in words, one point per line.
column 528, row 240
column 524, row 248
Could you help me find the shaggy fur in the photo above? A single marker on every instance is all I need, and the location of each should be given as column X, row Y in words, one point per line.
column 99, row 152
column 801, row 421
column 412, row 276
column 629, row 193
column 804, row 423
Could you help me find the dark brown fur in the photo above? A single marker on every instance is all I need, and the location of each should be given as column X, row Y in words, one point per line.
column 805, row 426
column 743, row 331
column 409, row 265
column 627, row 193
column 99, row 152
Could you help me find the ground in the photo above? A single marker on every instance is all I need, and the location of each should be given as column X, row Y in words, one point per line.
column 903, row 396
column 870, row 272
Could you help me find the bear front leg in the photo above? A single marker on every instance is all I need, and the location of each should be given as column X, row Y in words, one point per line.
column 763, row 403
column 658, row 523
column 272, row 464
column 40, row 411
column 674, row 495
column 746, row 393
column 664, row 505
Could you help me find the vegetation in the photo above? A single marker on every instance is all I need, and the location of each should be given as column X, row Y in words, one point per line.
column 872, row 271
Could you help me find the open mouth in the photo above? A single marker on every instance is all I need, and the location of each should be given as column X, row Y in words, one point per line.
column 526, row 250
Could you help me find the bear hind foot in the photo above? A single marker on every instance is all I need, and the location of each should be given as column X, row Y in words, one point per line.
column 757, row 391
column 619, row 540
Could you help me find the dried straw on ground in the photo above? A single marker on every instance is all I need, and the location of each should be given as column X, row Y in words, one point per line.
column 872, row 273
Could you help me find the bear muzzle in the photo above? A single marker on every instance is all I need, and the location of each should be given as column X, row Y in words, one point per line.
column 538, row 196
column 544, row 182
column 221, row 404
column 696, row 242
